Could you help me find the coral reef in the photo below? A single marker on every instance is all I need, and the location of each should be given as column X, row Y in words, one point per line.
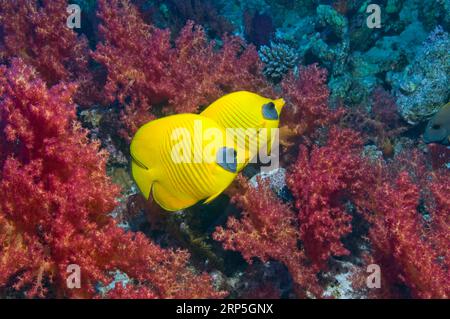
column 279, row 58
column 152, row 75
column 356, row 183
column 37, row 33
column 322, row 181
column 267, row 231
column 422, row 88
column 55, row 203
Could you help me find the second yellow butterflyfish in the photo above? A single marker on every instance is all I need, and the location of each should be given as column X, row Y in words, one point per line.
column 182, row 159
column 247, row 114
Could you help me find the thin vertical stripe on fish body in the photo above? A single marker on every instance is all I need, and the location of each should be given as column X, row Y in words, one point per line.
column 247, row 113
column 175, row 158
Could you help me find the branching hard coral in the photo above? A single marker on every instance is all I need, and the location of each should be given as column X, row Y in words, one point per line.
column 268, row 231
column 55, row 200
column 36, row 32
column 405, row 251
column 145, row 72
column 307, row 103
column 279, row 58
column 322, row 181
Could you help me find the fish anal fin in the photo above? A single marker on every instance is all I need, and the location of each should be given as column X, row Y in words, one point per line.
column 168, row 201
column 212, row 197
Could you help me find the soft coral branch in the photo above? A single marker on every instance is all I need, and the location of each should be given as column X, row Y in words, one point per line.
column 405, row 252
column 55, row 200
column 36, row 32
column 267, row 231
column 322, row 180
column 145, row 72
column 307, row 98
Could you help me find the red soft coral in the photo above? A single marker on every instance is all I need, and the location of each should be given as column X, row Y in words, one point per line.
column 381, row 125
column 438, row 205
column 439, row 155
column 145, row 71
column 322, row 180
column 136, row 56
column 36, row 32
column 267, row 231
column 55, row 200
column 201, row 68
column 405, row 251
column 307, row 103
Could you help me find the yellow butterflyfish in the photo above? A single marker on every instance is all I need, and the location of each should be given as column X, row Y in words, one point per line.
column 182, row 159
column 247, row 114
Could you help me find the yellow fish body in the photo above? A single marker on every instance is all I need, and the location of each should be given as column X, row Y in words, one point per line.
column 248, row 113
column 176, row 158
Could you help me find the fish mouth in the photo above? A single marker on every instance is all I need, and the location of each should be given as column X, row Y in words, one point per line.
column 137, row 162
column 141, row 176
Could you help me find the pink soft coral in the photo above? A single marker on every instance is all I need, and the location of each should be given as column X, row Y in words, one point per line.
column 307, row 102
column 439, row 208
column 322, row 180
column 147, row 74
column 210, row 72
column 136, row 56
column 268, row 231
column 55, row 200
column 36, row 32
column 407, row 253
